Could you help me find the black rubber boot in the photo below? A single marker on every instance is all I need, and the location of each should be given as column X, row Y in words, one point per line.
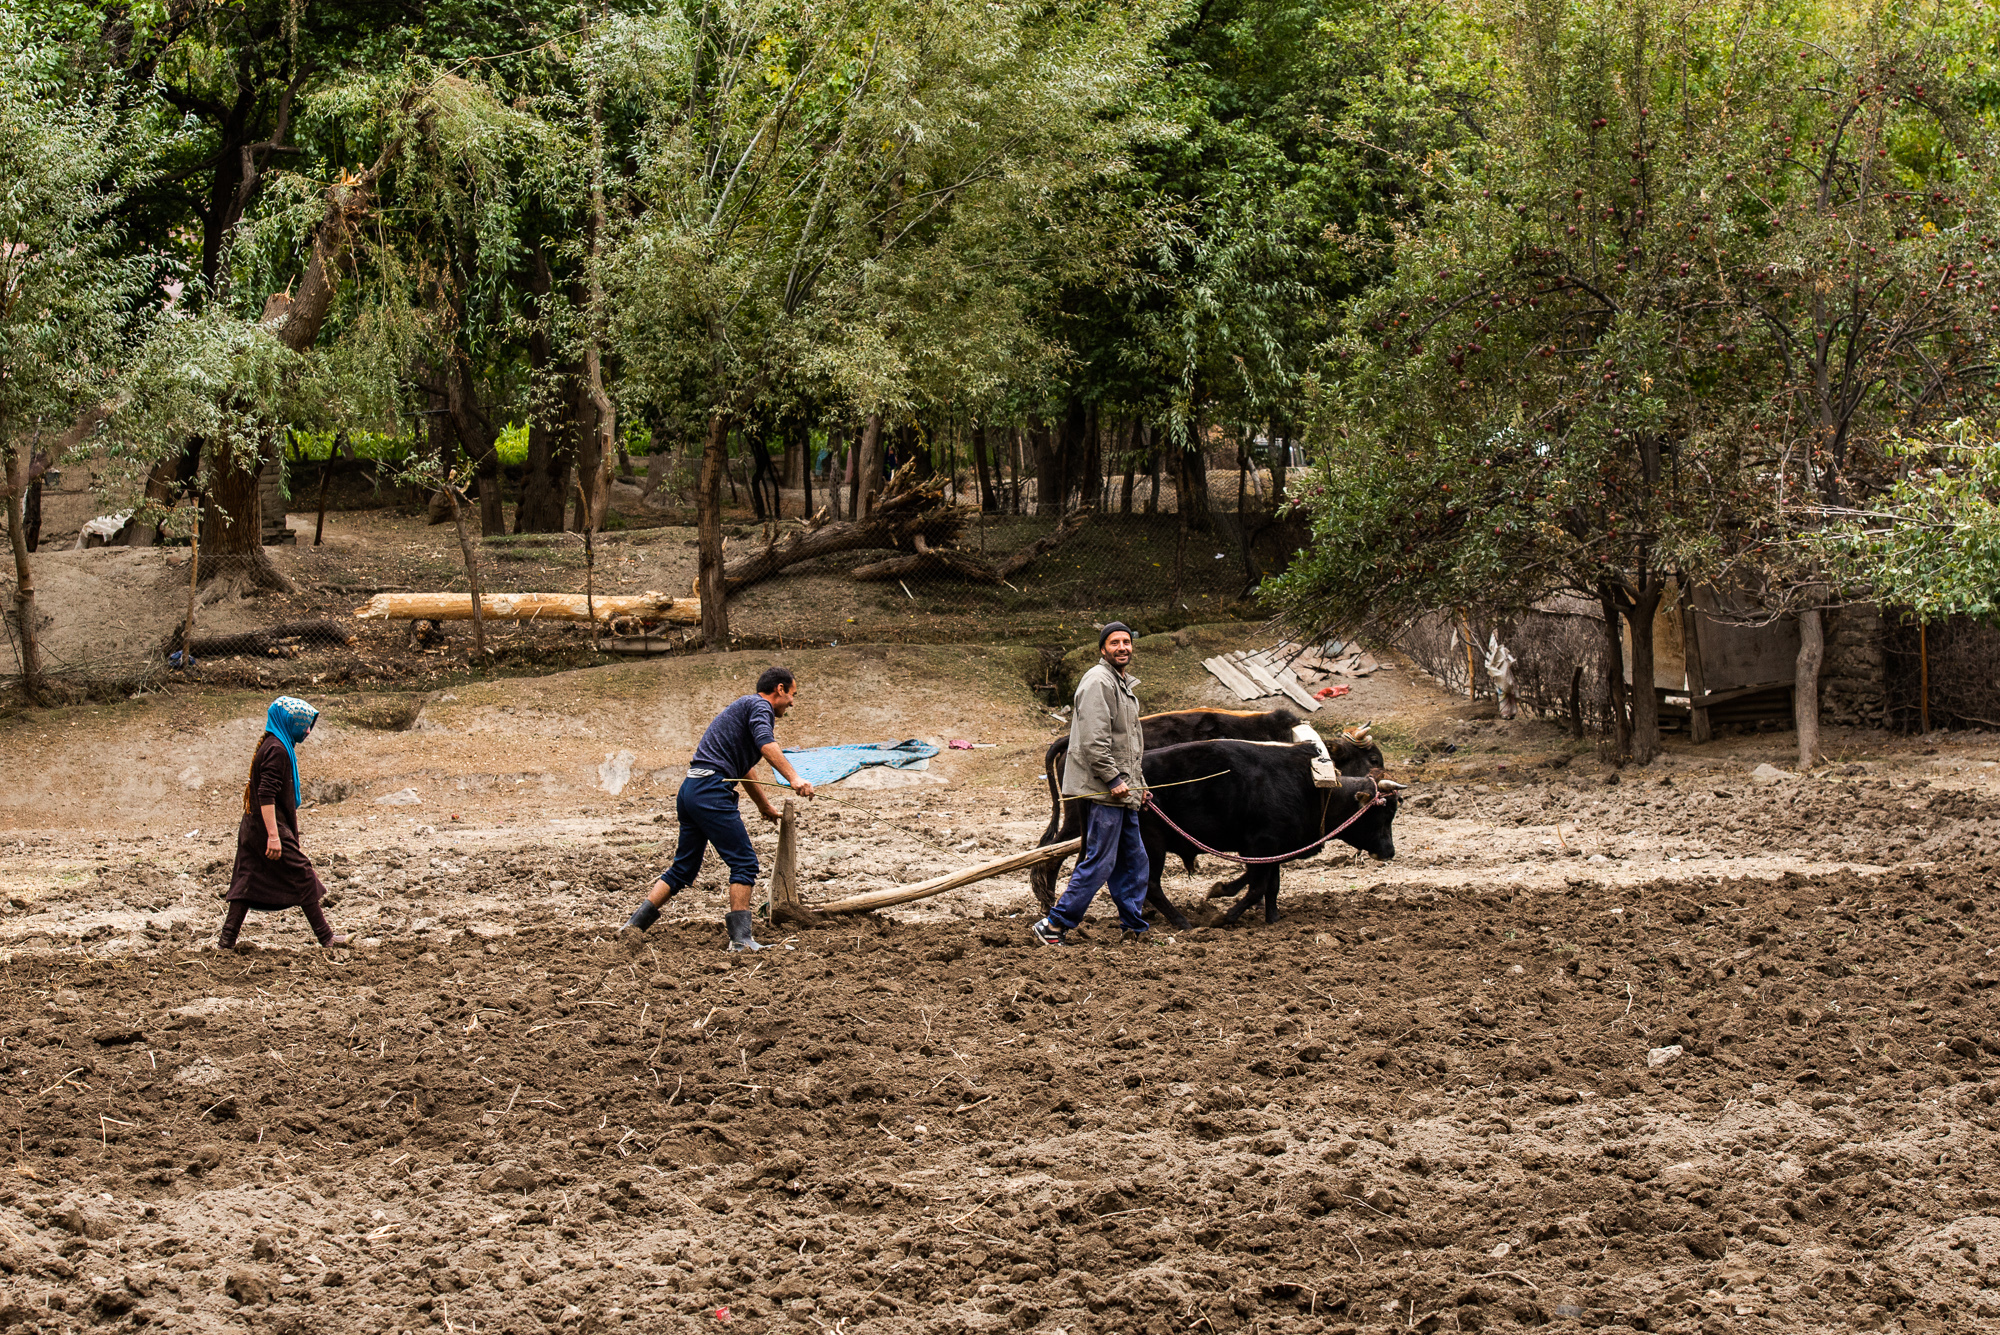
column 738, row 922
column 643, row 917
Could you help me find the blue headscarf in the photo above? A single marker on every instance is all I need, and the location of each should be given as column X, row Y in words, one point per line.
column 289, row 720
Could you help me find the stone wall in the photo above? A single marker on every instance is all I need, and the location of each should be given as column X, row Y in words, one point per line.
column 1854, row 679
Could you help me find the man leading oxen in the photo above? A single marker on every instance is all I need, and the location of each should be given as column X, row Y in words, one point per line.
column 1353, row 753
column 1261, row 804
column 1103, row 766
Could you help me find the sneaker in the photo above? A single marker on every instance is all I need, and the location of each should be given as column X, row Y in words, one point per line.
column 1047, row 933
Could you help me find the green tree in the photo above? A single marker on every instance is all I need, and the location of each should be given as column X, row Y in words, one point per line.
column 64, row 295
column 1670, row 307
column 824, row 189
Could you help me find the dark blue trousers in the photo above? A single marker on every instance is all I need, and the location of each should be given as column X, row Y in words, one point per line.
column 708, row 815
column 1112, row 852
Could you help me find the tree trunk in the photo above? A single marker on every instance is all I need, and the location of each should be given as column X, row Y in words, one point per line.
column 442, row 439
column 1016, row 465
column 1614, row 674
column 604, row 417
column 1155, row 465
column 1191, row 498
column 1281, row 457
column 805, row 466
column 583, row 462
column 233, row 536
column 849, row 483
column 1131, row 469
column 1805, row 685
column 470, row 553
column 163, row 484
column 540, row 508
column 1251, row 574
column 914, row 447
column 1090, row 477
column 1046, row 442
column 766, row 490
column 1645, row 698
column 708, row 500
column 983, row 468
column 480, row 441
column 26, row 629
column 868, row 468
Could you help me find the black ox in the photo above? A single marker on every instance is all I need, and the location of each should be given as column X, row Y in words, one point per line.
column 1354, row 753
column 1259, row 802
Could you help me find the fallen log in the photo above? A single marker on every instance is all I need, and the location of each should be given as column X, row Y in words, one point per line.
column 530, row 607
column 956, row 561
column 908, row 512
column 284, row 640
column 903, row 894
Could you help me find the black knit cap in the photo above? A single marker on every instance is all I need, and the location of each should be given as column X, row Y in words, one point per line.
column 1107, row 632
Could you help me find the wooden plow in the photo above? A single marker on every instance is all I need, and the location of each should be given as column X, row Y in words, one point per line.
column 788, row 907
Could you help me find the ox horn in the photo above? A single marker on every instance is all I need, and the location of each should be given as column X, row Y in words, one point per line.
column 1390, row 785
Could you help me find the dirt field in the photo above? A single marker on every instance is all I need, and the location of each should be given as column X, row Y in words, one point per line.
column 1443, row 1094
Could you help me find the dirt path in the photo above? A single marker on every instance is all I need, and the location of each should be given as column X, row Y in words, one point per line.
column 1426, row 1100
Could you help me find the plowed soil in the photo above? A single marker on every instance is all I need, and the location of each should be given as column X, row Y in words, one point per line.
column 1679, row 1053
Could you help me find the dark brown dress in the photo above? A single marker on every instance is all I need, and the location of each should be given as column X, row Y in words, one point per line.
column 272, row 883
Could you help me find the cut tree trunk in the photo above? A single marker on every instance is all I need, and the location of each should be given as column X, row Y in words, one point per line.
column 531, row 607
column 1805, row 685
column 709, row 582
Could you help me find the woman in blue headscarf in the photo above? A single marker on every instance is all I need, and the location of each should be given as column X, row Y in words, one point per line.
column 272, row 871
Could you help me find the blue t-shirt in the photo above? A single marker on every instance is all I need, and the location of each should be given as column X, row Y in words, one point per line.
column 736, row 739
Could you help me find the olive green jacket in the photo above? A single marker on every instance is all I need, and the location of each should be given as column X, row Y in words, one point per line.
column 1106, row 738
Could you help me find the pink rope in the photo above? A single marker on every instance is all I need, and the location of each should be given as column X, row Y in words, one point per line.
column 1374, row 801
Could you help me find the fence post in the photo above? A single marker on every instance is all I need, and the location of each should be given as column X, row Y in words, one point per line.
column 785, row 876
column 1923, row 679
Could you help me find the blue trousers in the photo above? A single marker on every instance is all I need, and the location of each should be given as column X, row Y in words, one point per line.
column 708, row 815
column 1112, row 852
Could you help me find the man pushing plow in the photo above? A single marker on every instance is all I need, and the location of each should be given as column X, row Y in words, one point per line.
column 706, row 804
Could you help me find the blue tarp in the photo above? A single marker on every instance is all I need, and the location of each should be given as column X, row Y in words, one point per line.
column 830, row 764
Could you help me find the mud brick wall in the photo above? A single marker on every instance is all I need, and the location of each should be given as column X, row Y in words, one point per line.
column 1854, row 679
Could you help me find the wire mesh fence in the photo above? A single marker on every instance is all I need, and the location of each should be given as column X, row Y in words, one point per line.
column 1561, row 667
column 112, row 618
column 1942, row 675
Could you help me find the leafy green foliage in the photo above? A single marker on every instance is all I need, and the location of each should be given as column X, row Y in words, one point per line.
column 1931, row 541
column 855, row 203
column 1703, row 268
column 65, row 298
